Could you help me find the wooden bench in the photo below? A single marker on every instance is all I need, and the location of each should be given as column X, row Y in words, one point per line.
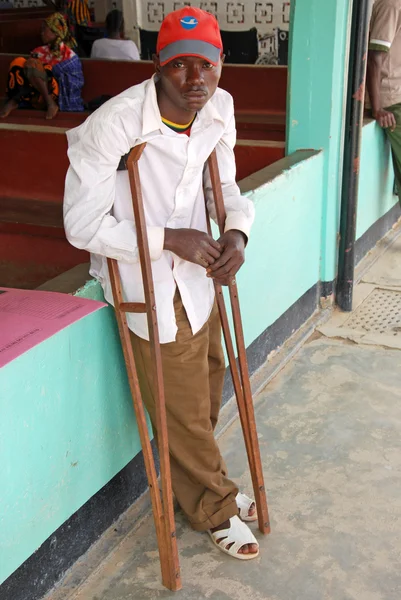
column 256, row 89
column 267, row 129
column 32, row 186
column 37, row 162
column 33, row 245
column 20, row 36
column 259, row 115
column 24, row 12
column 32, row 255
column 32, row 240
column 21, row 14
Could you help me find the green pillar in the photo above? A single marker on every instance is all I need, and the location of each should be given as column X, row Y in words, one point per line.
column 316, row 102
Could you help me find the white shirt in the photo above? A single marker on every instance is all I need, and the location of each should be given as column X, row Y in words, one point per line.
column 115, row 49
column 98, row 214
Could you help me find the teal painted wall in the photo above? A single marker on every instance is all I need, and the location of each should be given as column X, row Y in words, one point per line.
column 317, row 71
column 376, row 181
column 67, row 423
column 282, row 259
column 67, row 427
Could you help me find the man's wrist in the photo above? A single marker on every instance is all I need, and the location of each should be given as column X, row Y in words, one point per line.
column 238, row 233
column 168, row 238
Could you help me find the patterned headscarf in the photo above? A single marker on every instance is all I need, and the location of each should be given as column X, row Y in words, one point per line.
column 58, row 25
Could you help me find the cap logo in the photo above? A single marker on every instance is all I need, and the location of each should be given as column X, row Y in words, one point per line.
column 188, row 22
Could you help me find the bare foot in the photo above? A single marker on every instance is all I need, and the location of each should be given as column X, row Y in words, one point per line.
column 252, row 510
column 52, row 109
column 245, row 549
column 9, row 106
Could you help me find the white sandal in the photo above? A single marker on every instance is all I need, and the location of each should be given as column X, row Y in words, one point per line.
column 238, row 534
column 244, row 504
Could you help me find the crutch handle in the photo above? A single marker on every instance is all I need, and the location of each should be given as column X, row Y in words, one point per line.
column 217, row 191
column 135, row 154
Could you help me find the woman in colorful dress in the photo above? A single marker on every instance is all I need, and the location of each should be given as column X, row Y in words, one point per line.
column 51, row 78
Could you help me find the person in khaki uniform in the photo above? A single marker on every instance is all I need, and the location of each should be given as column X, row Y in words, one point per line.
column 182, row 116
column 384, row 74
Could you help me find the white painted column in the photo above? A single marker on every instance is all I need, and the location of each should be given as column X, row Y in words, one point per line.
column 130, row 12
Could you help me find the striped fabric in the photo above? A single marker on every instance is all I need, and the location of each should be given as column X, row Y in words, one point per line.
column 379, row 45
column 78, row 12
column 179, row 128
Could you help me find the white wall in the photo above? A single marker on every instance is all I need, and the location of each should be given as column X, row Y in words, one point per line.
column 232, row 16
column 266, row 16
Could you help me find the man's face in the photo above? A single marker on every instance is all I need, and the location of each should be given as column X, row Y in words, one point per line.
column 188, row 81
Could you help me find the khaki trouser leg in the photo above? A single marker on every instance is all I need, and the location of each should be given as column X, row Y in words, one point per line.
column 193, row 369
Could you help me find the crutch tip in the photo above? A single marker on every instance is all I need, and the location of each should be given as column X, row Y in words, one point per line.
column 266, row 528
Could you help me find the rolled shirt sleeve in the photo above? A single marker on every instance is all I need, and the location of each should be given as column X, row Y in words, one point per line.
column 95, row 150
column 384, row 25
column 240, row 211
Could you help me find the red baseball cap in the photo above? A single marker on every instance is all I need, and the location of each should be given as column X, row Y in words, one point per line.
column 189, row 31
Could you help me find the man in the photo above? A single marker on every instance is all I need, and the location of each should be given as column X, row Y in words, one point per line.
column 115, row 46
column 384, row 74
column 182, row 116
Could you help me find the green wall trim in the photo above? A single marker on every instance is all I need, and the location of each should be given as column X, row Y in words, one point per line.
column 317, row 72
column 67, row 427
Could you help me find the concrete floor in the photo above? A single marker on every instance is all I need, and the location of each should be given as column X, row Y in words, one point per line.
column 330, row 435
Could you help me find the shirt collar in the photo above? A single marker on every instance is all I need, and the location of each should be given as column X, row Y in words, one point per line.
column 151, row 118
column 209, row 113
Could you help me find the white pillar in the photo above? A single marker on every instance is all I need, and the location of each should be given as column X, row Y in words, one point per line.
column 130, row 12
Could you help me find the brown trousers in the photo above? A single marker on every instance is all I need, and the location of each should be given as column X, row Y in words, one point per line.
column 193, row 370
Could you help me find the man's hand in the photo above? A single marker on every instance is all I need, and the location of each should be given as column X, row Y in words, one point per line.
column 232, row 258
column 192, row 245
column 385, row 119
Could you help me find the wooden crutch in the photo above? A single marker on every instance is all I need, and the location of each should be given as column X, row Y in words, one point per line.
column 242, row 385
column 163, row 509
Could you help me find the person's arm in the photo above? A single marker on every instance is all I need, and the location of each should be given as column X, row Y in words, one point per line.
column 95, row 152
column 384, row 26
column 240, row 211
column 385, row 118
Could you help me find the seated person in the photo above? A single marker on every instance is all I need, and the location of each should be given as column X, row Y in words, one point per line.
column 114, row 46
column 51, row 78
